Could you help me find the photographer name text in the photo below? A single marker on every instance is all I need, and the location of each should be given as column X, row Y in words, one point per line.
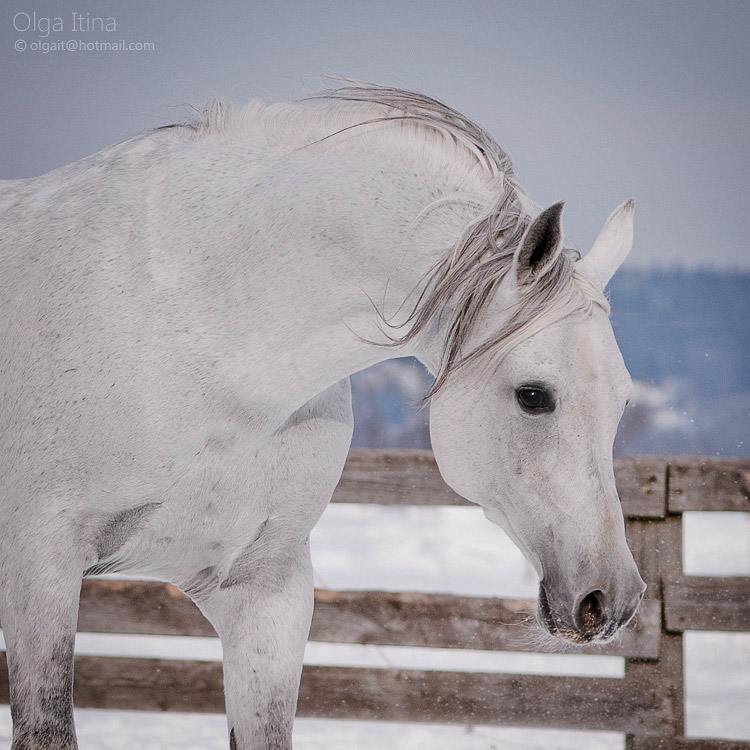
column 76, row 22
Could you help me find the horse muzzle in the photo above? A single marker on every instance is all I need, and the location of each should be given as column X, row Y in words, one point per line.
column 596, row 615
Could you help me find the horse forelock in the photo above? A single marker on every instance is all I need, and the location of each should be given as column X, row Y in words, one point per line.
column 460, row 288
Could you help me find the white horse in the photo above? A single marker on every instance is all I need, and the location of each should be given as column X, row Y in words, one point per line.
column 181, row 314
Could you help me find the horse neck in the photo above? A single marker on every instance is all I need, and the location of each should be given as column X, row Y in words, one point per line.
column 320, row 241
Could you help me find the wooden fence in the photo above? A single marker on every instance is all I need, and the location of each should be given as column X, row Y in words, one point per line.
column 647, row 704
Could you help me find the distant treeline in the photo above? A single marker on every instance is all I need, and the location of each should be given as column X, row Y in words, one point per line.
column 685, row 337
column 689, row 324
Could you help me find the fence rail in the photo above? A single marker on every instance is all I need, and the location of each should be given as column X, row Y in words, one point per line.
column 647, row 704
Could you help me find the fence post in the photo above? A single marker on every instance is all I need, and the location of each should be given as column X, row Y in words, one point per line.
column 657, row 547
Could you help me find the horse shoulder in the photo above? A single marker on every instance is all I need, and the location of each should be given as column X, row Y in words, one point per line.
column 294, row 476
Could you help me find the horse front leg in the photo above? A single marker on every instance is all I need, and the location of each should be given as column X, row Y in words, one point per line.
column 263, row 621
column 40, row 582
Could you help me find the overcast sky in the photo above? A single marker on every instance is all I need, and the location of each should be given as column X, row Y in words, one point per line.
column 595, row 101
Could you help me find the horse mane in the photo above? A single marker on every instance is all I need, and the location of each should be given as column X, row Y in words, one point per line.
column 463, row 282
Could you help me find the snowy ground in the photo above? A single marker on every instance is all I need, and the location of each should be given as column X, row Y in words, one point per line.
column 452, row 550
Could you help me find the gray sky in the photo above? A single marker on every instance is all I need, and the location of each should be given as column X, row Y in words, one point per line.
column 595, row 101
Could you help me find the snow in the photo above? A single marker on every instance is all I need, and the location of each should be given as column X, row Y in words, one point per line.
column 450, row 550
column 126, row 730
column 716, row 544
column 717, row 685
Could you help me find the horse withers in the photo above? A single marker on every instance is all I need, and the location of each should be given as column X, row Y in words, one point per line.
column 181, row 314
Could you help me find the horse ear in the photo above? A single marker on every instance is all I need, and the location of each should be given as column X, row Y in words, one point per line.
column 541, row 245
column 611, row 247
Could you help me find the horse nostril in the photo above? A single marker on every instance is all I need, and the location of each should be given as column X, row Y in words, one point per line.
column 590, row 616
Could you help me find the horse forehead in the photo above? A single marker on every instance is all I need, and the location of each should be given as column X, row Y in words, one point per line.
column 582, row 348
column 597, row 354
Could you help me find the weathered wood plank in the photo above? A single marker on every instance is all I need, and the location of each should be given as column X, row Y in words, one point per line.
column 147, row 607
column 665, row 677
column 411, row 477
column 445, row 621
column 663, row 680
column 141, row 684
column 641, row 484
column 683, row 743
column 480, row 698
column 393, row 477
column 366, row 617
column 709, row 483
column 382, row 694
column 707, row 603
column 643, row 540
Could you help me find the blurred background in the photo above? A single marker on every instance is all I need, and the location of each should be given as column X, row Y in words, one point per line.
column 685, row 335
column 596, row 102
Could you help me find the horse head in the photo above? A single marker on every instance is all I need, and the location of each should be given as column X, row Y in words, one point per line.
column 530, row 438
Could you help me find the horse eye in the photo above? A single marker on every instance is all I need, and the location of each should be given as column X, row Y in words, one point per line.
column 534, row 399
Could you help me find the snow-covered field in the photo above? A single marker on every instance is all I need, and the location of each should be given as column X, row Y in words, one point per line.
column 453, row 550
